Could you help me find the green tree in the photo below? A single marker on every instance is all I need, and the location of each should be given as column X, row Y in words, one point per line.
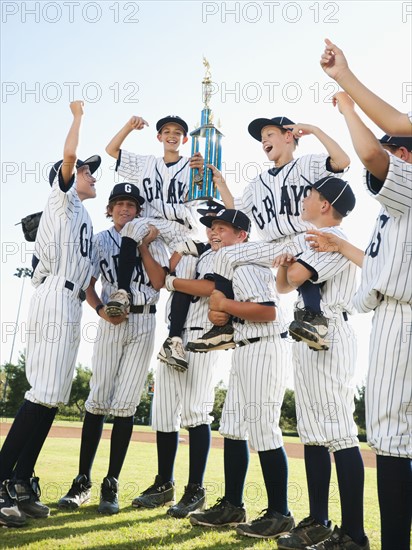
column 80, row 389
column 220, row 396
column 143, row 411
column 17, row 385
column 359, row 414
column 288, row 412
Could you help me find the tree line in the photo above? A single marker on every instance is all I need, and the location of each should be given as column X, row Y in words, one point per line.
column 13, row 385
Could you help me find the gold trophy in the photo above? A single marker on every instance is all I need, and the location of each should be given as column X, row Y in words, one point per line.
column 201, row 186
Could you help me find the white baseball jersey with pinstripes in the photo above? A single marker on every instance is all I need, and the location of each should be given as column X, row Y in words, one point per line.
column 186, row 399
column 335, row 273
column 386, row 287
column 258, row 375
column 163, row 188
column 274, row 202
column 324, row 380
column 63, row 247
column 122, row 353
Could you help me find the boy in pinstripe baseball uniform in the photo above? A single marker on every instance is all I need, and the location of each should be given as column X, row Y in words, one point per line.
column 163, row 182
column 385, row 288
column 62, row 274
column 324, row 381
column 252, row 406
column 123, row 349
column 273, row 201
column 186, row 398
column 172, row 351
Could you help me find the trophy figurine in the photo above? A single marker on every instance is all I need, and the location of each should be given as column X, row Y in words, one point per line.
column 201, row 185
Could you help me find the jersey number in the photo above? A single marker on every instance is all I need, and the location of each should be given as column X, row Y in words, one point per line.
column 373, row 248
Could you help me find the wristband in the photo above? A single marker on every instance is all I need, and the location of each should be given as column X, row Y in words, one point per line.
column 98, row 308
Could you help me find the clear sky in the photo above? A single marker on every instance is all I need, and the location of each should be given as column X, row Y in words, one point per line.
column 145, row 58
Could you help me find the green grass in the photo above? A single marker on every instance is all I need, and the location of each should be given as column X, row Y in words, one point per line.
column 152, row 529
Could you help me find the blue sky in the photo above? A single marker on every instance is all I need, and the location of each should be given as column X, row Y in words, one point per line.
column 145, row 58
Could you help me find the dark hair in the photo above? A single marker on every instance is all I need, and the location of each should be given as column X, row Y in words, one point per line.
column 118, row 199
column 335, row 214
column 284, row 130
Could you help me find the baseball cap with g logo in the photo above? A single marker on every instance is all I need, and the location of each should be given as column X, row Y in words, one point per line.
column 127, row 191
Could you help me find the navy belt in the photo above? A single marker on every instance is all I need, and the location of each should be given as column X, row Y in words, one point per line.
column 141, row 309
column 249, row 341
column 70, row 286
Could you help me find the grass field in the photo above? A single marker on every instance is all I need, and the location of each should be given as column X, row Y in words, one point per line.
column 152, row 529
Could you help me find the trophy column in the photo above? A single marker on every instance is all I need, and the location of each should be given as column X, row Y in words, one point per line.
column 201, row 185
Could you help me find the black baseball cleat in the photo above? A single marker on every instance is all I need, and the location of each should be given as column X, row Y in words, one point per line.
column 216, row 338
column 109, row 501
column 222, row 514
column 307, row 532
column 28, row 498
column 193, row 500
column 158, row 494
column 10, row 513
column 270, row 525
column 311, row 328
column 78, row 494
column 339, row 540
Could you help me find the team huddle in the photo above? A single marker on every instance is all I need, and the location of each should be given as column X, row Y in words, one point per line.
column 225, row 293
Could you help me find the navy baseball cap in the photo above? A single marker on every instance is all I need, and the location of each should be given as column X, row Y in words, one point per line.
column 397, row 141
column 126, row 191
column 93, row 163
column 213, row 207
column 256, row 126
column 235, row 217
column 172, row 118
column 337, row 192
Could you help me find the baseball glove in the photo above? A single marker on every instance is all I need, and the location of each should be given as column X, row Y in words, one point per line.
column 30, row 225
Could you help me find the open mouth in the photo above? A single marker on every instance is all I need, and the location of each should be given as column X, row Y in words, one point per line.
column 267, row 148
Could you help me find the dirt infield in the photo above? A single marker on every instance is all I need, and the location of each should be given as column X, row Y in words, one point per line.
column 293, row 450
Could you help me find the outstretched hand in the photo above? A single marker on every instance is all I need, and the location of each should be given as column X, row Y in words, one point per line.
column 332, row 61
column 321, row 241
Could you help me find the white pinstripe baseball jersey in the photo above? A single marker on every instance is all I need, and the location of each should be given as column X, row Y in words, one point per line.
column 186, row 399
column 274, row 199
column 122, row 353
column 324, row 381
column 386, row 288
column 197, row 316
column 64, row 248
column 387, row 266
column 258, row 375
column 335, row 274
column 106, row 259
column 253, row 283
column 164, row 188
column 64, row 238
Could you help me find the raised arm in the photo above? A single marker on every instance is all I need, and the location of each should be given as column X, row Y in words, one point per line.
column 392, row 121
column 135, row 123
column 371, row 153
column 72, row 141
column 220, row 183
column 339, row 160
